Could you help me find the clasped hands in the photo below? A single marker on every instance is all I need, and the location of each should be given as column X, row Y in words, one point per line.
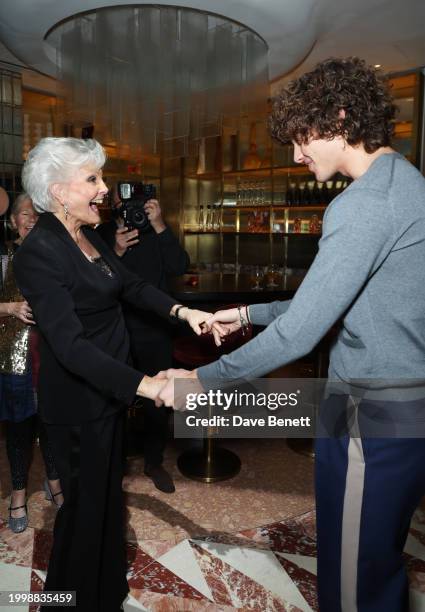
column 220, row 324
column 160, row 387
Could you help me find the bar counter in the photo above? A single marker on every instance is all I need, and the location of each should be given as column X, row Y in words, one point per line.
column 215, row 288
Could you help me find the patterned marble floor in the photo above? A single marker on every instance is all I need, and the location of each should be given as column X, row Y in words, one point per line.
column 188, row 559
column 267, row 569
column 273, row 484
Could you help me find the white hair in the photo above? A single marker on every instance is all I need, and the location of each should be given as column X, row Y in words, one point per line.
column 16, row 209
column 55, row 160
column 16, row 206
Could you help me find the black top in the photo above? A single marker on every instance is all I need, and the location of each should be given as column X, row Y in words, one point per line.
column 157, row 258
column 84, row 349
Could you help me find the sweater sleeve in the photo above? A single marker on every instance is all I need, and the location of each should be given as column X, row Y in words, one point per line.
column 263, row 314
column 357, row 236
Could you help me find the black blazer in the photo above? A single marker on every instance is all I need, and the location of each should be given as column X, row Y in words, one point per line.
column 157, row 258
column 84, row 349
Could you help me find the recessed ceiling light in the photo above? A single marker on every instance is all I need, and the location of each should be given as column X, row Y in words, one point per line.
column 377, row 65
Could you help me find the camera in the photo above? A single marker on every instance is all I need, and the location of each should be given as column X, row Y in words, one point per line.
column 134, row 197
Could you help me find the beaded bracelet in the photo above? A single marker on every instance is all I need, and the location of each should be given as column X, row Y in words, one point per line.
column 244, row 322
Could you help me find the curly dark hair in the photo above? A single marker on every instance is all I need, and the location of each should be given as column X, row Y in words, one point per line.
column 310, row 105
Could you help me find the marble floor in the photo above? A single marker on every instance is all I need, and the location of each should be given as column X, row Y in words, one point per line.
column 245, row 544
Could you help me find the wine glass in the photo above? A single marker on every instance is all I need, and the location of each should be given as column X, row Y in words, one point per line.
column 273, row 276
column 257, row 277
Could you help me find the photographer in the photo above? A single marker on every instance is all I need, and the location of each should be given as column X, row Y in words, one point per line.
column 154, row 253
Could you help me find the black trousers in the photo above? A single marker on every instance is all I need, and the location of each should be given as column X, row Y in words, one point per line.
column 88, row 554
column 151, row 356
column 19, row 444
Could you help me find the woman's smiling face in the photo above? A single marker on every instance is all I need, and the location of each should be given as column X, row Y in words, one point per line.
column 82, row 193
column 25, row 219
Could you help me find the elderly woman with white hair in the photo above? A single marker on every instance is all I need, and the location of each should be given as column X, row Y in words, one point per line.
column 74, row 285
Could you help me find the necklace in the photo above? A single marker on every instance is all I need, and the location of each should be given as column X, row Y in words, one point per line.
column 91, row 258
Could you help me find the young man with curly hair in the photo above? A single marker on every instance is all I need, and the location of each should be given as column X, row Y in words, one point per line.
column 369, row 275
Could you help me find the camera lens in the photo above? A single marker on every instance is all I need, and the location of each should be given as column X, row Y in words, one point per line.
column 139, row 218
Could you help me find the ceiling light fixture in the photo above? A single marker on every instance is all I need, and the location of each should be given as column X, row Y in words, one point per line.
column 159, row 79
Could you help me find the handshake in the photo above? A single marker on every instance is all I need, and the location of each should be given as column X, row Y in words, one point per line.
column 160, row 387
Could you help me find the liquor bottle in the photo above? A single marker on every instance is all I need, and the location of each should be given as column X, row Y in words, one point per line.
column 333, row 189
column 290, row 196
column 297, row 195
column 297, row 225
column 344, row 185
column 314, row 225
column 209, row 220
column 250, row 223
column 201, row 219
column 306, row 195
column 216, row 217
column 239, row 201
column 325, row 194
column 317, row 197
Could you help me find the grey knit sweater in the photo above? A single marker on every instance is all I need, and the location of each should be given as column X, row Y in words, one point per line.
column 369, row 272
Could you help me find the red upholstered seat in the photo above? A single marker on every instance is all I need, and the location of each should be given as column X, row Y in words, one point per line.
column 211, row 463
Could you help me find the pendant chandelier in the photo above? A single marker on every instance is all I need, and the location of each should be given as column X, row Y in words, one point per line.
column 157, row 79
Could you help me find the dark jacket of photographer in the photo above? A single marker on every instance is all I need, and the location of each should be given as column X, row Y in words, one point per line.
column 156, row 258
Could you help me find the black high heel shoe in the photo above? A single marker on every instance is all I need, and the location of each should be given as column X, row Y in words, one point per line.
column 18, row 525
column 51, row 496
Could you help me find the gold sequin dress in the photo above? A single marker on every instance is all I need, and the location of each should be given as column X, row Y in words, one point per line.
column 14, row 334
column 17, row 401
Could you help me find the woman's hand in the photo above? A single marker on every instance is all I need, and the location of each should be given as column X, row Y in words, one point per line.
column 151, row 387
column 195, row 318
column 160, row 388
column 20, row 310
column 228, row 321
column 176, row 396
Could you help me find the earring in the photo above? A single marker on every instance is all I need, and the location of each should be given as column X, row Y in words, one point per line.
column 66, row 211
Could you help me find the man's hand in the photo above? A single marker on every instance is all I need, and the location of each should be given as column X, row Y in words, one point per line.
column 219, row 332
column 125, row 239
column 22, row 311
column 154, row 214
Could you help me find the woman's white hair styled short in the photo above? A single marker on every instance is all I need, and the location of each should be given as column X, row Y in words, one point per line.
column 16, row 206
column 55, row 160
column 16, row 209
